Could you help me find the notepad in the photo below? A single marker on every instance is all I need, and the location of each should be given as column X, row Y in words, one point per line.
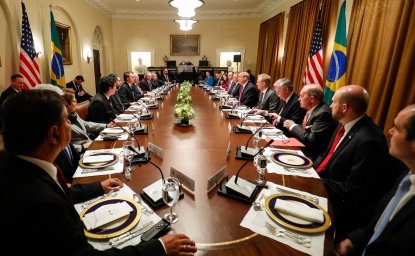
column 106, row 214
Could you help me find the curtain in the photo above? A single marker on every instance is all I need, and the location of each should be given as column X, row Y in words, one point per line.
column 381, row 50
column 301, row 23
column 270, row 46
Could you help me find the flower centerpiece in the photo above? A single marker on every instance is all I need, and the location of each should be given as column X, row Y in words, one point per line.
column 183, row 110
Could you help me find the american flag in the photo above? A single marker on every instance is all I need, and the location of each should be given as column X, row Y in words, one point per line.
column 314, row 70
column 29, row 67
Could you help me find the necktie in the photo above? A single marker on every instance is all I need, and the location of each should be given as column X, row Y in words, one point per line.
column 167, row 78
column 336, row 140
column 68, row 152
column 62, row 182
column 282, row 107
column 261, row 97
column 384, row 219
column 241, row 91
column 307, row 115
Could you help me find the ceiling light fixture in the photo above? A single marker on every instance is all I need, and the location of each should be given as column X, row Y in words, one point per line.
column 186, row 24
column 186, row 7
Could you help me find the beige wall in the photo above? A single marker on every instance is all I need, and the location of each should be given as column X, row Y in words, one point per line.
column 154, row 35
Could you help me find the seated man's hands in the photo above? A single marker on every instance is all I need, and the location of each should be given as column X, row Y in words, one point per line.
column 112, row 184
column 288, row 123
column 343, row 248
column 178, row 244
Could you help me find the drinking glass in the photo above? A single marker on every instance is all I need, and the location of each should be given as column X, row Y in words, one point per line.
column 128, row 151
column 256, row 138
column 260, row 163
column 171, row 194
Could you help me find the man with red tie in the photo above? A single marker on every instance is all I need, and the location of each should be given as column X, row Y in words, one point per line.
column 318, row 125
column 248, row 93
column 355, row 168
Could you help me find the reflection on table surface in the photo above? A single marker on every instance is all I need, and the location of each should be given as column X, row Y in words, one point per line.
column 199, row 151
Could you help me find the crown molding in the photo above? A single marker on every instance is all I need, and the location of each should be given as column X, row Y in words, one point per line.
column 263, row 9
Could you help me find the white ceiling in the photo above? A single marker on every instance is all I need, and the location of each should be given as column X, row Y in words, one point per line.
column 160, row 9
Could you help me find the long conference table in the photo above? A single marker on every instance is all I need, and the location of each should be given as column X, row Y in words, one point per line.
column 199, row 151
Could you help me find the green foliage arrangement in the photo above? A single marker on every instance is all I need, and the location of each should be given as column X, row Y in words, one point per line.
column 183, row 110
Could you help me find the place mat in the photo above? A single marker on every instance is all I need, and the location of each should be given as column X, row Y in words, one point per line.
column 116, row 227
column 124, row 192
column 273, row 167
column 89, row 172
column 256, row 222
column 292, row 222
column 99, row 164
column 293, row 160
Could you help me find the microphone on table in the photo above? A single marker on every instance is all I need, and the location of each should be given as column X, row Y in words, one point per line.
column 259, row 151
column 144, row 105
column 240, row 126
column 138, row 119
column 246, row 152
column 245, row 189
column 131, row 134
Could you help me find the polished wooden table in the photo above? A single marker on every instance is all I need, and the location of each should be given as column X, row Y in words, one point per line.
column 199, row 151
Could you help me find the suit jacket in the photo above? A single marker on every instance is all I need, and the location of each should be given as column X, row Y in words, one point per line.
column 138, row 93
column 68, row 164
column 81, row 130
column 234, row 89
column 116, row 103
column 318, row 132
column 292, row 110
column 249, row 95
column 100, row 109
column 126, row 94
column 269, row 102
column 78, row 88
column 6, row 93
column 145, row 85
column 358, row 175
column 166, row 79
column 40, row 206
column 397, row 238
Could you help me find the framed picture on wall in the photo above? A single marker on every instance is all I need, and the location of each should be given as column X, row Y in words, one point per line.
column 184, row 45
column 65, row 41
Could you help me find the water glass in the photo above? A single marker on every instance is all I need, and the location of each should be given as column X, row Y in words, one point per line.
column 171, row 194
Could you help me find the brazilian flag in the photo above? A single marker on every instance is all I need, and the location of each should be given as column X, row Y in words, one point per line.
column 57, row 74
column 336, row 76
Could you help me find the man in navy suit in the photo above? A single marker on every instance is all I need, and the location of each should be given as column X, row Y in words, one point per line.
column 101, row 110
column 396, row 236
column 356, row 170
column 16, row 85
column 39, row 202
column 268, row 99
column 288, row 107
column 248, row 93
column 318, row 124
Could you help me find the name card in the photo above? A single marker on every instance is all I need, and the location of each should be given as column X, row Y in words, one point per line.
column 184, row 179
column 216, row 178
column 228, row 150
column 156, row 150
column 229, row 128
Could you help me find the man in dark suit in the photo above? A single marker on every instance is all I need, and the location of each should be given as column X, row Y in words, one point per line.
column 234, row 87
column 391, row 230
column 146, row 84
column 288, row 107
column 165, row 77
column 248, row 93
column 80, row 93
column 268, row 99
column 39, row 201
column 128, row 94
column 115, row 99
column 356, row 167
column 101, row 110
column 318, row 124
column 16, row 85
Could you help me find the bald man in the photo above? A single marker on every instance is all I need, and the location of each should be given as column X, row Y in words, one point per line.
column 357, row 175
column 396, row 236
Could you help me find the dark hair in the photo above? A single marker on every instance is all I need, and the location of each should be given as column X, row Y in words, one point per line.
column 126, row 75
column 79, row 77
column 410, row 127
column 318, row 94
column 106, row 83
column 68, row 97
column 27, row 118
column 14, row 76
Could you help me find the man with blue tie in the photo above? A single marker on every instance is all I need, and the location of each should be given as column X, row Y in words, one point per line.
column 391, row 231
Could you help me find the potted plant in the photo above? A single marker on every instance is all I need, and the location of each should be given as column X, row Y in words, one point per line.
column 183, row 110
